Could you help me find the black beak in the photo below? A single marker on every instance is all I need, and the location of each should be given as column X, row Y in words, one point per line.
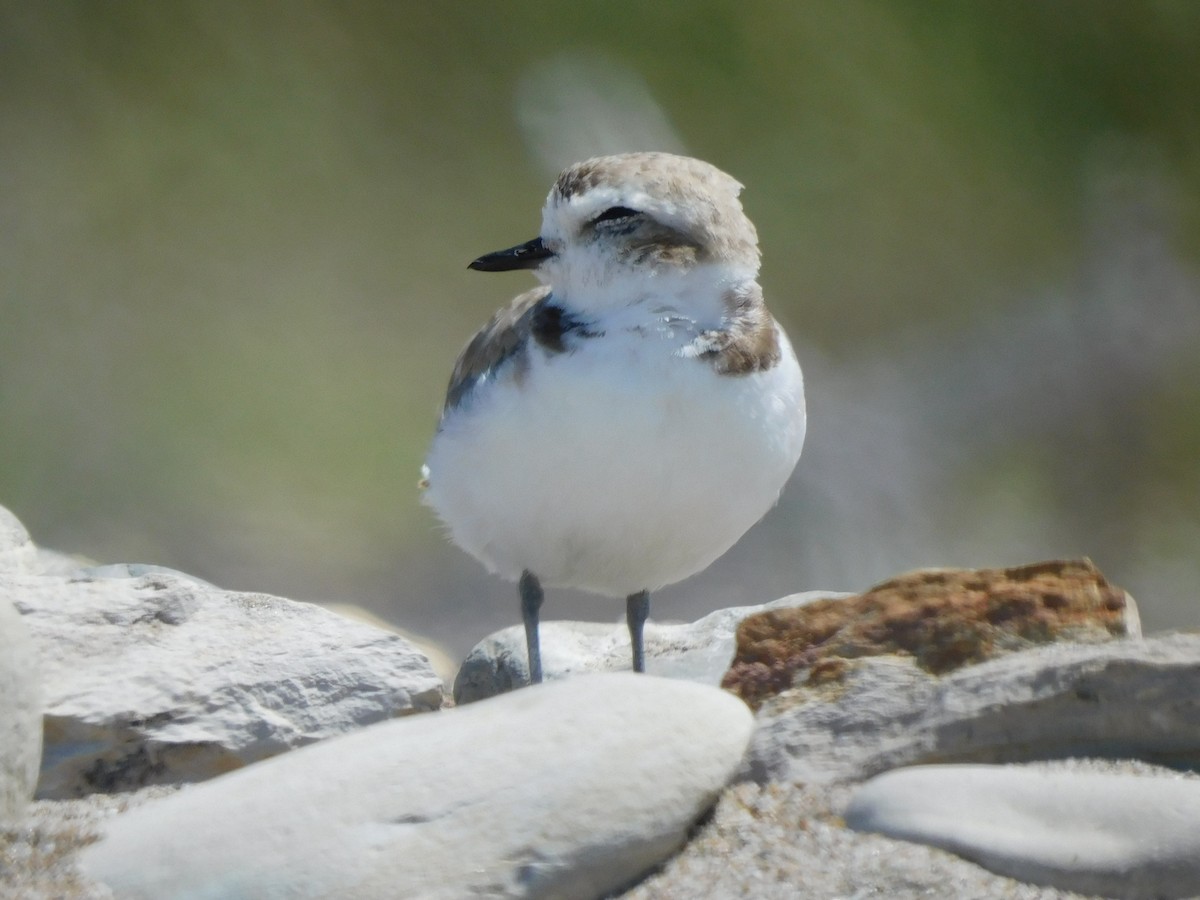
column 528, row 255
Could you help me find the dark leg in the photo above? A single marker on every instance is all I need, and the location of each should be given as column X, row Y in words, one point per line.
column 637, row 608
column 531, row 603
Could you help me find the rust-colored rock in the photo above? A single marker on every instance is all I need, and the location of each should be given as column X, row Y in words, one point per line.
column 943, row 618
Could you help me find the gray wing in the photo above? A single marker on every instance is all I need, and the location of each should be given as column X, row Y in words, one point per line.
column 505, row 338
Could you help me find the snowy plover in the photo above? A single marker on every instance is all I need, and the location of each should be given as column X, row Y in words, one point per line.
column 622, row 426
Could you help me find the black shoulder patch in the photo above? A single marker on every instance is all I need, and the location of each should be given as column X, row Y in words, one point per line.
column 500, row 341
column 550, row 325
column 505, row 340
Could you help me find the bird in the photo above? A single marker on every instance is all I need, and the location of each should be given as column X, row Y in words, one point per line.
column 619, row 427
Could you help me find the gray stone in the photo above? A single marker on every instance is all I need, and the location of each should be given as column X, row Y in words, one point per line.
column 20, row 714
column 1115, row 835
column 162, row 678
column 567, row 789
column 1130, row 698
column 697, row 651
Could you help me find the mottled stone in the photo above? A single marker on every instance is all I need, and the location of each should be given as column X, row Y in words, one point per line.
column 1122, row 699
column 943, row 618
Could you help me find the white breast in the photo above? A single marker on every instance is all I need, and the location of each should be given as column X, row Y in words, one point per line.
column 618, row 467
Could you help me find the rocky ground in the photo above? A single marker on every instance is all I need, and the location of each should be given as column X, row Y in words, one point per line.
column 784, row 841
column 200, row 741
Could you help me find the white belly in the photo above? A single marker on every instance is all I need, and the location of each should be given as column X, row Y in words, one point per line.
column 616, row 468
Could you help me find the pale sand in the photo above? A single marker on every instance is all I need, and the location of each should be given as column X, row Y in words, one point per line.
column 777, row 841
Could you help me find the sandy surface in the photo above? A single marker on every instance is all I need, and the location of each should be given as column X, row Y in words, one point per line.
column 775, row 841
column 787, row 841
column 37, row 859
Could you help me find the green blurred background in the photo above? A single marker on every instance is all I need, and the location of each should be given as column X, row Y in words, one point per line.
column 234, row 241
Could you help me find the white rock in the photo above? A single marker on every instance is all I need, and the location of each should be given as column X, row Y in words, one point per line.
column 1122, row 699
column 438, row 656
column 698, row 651
column 568, row 790
column 20, row 715
column 163, row 678
column 17, row 552
column 1114, row 835
column 55, row 562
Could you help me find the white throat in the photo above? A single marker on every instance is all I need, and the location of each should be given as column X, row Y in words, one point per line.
column 599, row 287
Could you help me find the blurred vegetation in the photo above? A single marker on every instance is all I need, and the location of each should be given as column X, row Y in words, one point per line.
column 235, row 234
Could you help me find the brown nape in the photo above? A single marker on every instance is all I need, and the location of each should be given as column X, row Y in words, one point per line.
column 750, row 342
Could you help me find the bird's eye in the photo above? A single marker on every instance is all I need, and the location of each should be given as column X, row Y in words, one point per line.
column 615, row 212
